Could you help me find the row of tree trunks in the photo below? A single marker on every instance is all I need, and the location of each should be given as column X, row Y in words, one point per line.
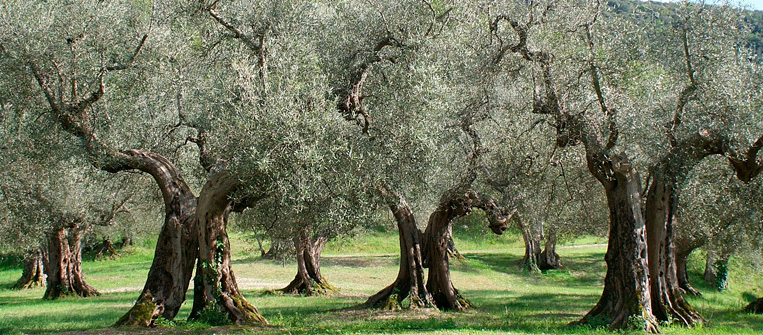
column 308, row 280
column 33, row 273
column 409, row 284
column 215, row 286
column 64, row 266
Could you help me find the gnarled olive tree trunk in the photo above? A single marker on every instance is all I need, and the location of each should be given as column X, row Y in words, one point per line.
column 456, row 202
column 531, row 239
column 668, row 304
column 626, row 300
column 64, row 267
column 215, row 287
column 716, row 269
column 176, row 249
column 536, row 259
column 409, row 283
column 33, row 273
column 308, row 280
column 684, row 248
column 549, row 259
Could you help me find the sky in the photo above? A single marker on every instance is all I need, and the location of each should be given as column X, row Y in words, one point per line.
column 754, row 4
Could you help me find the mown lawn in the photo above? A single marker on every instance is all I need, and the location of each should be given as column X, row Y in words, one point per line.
column 506, row 300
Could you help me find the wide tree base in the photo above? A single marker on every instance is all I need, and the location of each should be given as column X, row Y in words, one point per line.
column 755, row 306
column 398, row 296
column 619, row 320
column 143, row 314
column 310, row 287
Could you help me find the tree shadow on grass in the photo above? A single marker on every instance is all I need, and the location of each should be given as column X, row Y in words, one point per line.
column 361, row 261
column 580, row 271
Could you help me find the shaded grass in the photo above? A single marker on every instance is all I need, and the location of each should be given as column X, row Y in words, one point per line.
column 506, row 300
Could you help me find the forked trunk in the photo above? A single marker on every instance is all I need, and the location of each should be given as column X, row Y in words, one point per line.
column 33, row 274
column 668, row 304
column 308, row 280
column 64, row 265
column 626, row 301
column 176, row 248
column 409, row 284
column 549, row 259
column 215, row 287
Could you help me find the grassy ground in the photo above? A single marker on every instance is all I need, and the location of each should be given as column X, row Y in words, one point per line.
column 506, row 300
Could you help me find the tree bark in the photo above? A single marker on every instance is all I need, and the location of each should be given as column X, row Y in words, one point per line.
column 549, row 259
column 308, row 280
column 445, row 295
column 456, row 202
column 215, row 287
column 532, row 248
column 176, row 248
column 409, row 284
column 33, row 274
column 106, row 249
column 684, row 248
column 714, row 263
column 626, row 301
column 669, row 304
column 64, row 265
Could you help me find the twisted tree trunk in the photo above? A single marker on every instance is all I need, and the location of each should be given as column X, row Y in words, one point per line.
column 684, row 248
column 176, row 248
column 626, row 300
column 64, row 265
column 445, row 295
column 661, row 206
column 456, row 202
column 532, row 248
column 308, row 280
column 215, row 287
column 33, row 274
column 409, row 283
column 549, row 259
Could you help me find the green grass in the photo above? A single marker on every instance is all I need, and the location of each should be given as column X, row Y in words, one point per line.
column 506, row 300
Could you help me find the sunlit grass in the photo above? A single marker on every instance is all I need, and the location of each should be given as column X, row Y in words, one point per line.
column 506, row 300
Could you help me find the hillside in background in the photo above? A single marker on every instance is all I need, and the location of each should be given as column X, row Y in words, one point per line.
column 665, row 13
